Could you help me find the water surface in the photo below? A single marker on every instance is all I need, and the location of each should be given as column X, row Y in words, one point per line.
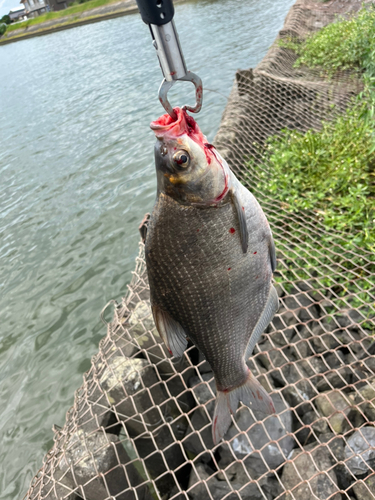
column 76, row 177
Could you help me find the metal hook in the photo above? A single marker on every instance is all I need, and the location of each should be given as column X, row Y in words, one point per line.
column 166, row 86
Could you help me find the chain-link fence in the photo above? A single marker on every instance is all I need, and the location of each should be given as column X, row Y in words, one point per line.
column 140, row 426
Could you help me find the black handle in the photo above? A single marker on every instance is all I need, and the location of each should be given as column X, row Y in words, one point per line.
column 157, row 12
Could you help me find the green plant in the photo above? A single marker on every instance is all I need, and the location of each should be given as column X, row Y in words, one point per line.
column 3, row 28
column 5, row 19
column 331, row 171
column 345, row 44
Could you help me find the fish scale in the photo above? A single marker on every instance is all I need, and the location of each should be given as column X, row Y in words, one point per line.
column 189, row 278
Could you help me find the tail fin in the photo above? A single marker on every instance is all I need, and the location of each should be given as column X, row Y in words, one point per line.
column 251, row 393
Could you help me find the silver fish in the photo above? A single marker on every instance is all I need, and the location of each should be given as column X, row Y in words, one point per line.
column 210, row 256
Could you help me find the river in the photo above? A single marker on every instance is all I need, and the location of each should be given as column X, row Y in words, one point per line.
column 76, row 177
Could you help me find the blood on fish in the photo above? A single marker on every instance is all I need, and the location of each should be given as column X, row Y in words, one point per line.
column 232, row 230
column 260, row 397
column 170, row 352
column 221, row 196
column 197, row 230
column 255, row 253
column 185, row 124
column 229, row 268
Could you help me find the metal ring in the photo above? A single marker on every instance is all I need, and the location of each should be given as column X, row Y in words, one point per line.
column 166, row 86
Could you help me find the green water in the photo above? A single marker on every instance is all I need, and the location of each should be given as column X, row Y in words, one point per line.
column 76, row 177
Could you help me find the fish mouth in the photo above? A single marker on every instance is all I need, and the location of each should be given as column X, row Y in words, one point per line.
column 165, row 126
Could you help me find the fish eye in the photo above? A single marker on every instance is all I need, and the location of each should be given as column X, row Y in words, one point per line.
column 181, row 158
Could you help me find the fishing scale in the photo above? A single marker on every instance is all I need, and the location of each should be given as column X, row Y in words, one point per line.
column 158, row 14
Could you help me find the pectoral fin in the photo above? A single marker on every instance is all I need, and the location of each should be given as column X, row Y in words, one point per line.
column 272, row 254
column 240, row 209
column 271, row 307
column 170, row 331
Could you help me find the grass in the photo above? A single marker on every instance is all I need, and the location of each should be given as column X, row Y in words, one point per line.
column 330, row 172
column 75, row 9
column 345, row 44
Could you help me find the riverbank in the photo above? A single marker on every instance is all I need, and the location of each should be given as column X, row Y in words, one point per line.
column 71, row 18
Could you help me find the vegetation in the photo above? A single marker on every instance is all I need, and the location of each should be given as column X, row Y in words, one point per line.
column 75, row 9
column 3, row 28
column 346, row 44
column 332, row 171
column 5, row 19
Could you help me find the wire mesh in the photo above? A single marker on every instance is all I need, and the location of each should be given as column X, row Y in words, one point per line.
column 140, row 426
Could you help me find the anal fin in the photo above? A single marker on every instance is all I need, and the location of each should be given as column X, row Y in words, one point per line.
column 271, row 307
column 170, row 331
column 240, row 209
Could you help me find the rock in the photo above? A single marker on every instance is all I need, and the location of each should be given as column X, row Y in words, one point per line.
column 230, row 482
column 141, row 320
column 335, row 359
column 279, row 289
column 342, row 416
column 301, row 349
column 317, row 424
column 360, row 451
column 122, row 344
column 299, row 393
column 291, row 303
column 58, row 486
column 350, row 317
column 145, row 336
column 365, row 490
column 93, row 409
column 336, row 444
column 365, row 399
column 284, row 336
column 369, row 363
column 86, row 456
column 305, row 466
column 270, row 357
column 284, row 318
column 335, row 379
column 199, row 435
column 303, row 286
column 322, row 341
column 286, row 375
column 203, row 391
column 135, row 377
column 203, row 364
column 308, row 314
column 329, row 324
column 254, row 428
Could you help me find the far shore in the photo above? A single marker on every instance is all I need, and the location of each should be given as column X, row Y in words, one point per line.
column 67, row 21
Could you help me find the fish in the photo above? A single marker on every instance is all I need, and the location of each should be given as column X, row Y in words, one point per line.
column 210, row 257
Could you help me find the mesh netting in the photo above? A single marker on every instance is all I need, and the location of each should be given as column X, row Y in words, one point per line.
column 140, row 427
